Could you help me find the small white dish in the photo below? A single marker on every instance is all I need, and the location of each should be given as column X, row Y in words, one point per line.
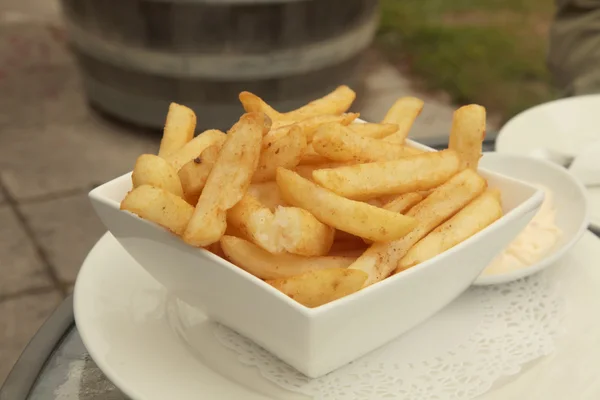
column 564, row 127
column 318, row 340
column 569, row 200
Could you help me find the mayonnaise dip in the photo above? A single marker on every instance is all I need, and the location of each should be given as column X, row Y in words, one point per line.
column 533, row 243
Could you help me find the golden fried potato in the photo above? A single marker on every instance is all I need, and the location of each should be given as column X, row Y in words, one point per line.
column 265, row 265
column 301, row 233
column 311, row 157
column 228, row 181
column 381, row 259
column 268, row 194
column 193, row 175
column 159, row 206
column 467, row 134
column 372, row 130
column 403, row 202
column 338, row 143
column 256, row 223
column 285, row 152
column 306, row 171
column 179, row 129
column 156, row 171
column 367, row 181
column 404, row 112
column 316, row 288
column 477, row 215
column 358, row 218
column 196, row 146
column 309, row 126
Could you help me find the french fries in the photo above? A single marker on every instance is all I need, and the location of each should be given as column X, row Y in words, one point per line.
column 316, row 288
column 367, row 181
column 159, row 206
column 467, row 134
column 193, row 175
column 301, row 233
column 381, row 259
column 196, row 146
column 311, row 201
column 285, row 152
column 228, row 181
column 477, row 215
column 179, row 129
column 156, row 171
column 403, row 113
column 354, row 217
column 265, row 265
column 338, row 143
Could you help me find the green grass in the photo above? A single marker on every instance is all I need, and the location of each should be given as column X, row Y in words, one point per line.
column 490, row 52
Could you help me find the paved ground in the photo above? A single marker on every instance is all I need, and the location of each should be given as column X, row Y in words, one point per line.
column 53, row 150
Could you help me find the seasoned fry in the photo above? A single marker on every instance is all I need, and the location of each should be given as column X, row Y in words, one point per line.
column 306, row 171
column 159, row 206
column 309, row 126
column 316, row 288
column 265, row 265
column 403, row 202
column 467, row 134
column 268, row 194
column 336, row 102
column 193, row 175
column 404, row 112
column 381, row 259
column 478, row 214
column 373, row 130
column 367, row 181
column 156, row 171
column 311, row 157
column 285, row 152
column 256, row 223
column 179, row 129
column 228, row 181
column 196, row 146
column 338, row 143
column 301, row 233
column 358, row 218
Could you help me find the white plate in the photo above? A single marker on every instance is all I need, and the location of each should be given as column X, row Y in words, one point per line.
column 122, row 317
column 564, row 125
column 568, row 198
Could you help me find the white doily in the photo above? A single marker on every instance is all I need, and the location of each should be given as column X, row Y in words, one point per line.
column 488, row 333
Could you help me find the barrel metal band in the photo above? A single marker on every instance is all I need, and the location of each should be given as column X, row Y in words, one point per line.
column 229, row 66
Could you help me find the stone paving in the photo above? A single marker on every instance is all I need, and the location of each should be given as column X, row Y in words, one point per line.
column 54, row 149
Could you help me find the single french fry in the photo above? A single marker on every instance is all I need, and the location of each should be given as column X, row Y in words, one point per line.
column 285, row 152
column 252, row 103
column 309, row 126
column 268, row 194
column 159, row 206
column 404, row 112
column 351, row 216
column 311, row 157
column 228, row 181
column 381, row 259
column 156, row 171
column 467, row 134
column 193, row 175
column 265, row 265
column 306, row 171
column 339, row 143
column 373, row 130
column 179, row 129
column 410, row 174
column 196, row 146
column 301, row 233
column 256, row 223
column 403, row 202
column 476, row 215
column 316, row 288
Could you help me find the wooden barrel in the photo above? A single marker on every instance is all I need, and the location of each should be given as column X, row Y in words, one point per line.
column 136, row 56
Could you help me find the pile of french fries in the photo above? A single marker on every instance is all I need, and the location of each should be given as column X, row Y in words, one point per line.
column 315, row 203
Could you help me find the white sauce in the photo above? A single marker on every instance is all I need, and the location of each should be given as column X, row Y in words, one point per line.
column 532, row 244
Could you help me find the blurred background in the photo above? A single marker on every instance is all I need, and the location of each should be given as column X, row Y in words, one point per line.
column 85, row 85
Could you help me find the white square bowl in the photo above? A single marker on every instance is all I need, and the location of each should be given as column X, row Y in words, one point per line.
column 314, row 341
